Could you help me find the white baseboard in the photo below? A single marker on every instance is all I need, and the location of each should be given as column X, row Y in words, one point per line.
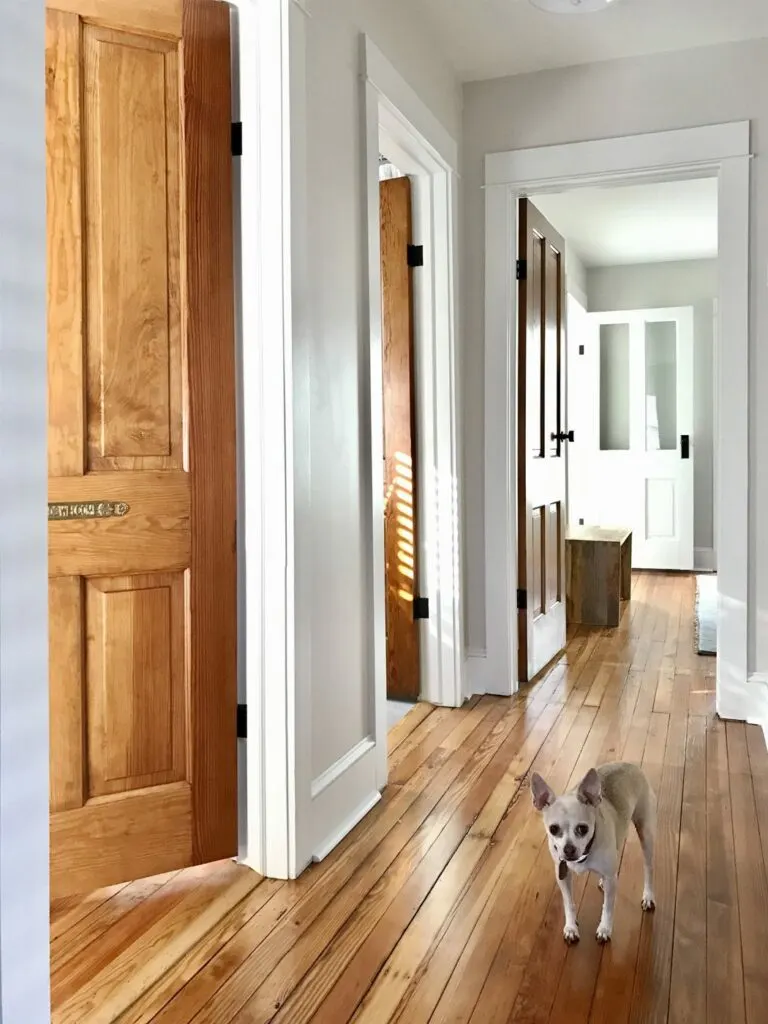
column 704, row 559
column 759, row 711
column 331, row 841
column 474, row 673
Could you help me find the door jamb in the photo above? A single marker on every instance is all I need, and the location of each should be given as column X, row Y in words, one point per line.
column 421, row 148
column 723, row 150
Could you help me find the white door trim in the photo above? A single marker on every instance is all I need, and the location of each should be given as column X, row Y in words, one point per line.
column 721, row 150
column 271, row 67
column 421, row 148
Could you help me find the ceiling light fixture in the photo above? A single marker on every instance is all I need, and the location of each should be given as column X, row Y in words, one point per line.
column 571, row 6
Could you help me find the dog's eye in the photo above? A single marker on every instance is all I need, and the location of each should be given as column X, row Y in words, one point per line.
column 554, row 830
column 581, row 830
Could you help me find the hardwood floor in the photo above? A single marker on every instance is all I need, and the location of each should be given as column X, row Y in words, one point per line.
column 442, row 906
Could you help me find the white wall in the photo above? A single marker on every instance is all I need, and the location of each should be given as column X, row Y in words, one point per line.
column 332, row 471
column 646, row 94
column 653, row 286
column 24, row 931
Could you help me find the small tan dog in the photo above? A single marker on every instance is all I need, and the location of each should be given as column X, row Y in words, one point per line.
column 586, row 830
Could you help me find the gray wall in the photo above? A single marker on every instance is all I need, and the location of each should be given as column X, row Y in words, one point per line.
column 332, row 474
column 689, row 283
column 644, row 94
column 24, row 930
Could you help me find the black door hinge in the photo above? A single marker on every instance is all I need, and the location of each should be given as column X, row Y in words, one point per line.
column 522, row 600
column 237, row 138
column 521, row 270
column 242, row 721
column 415, row 255
column 421, row 607
column 581, row 350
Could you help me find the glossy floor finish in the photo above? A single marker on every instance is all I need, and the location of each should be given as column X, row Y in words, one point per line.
column 442, row 907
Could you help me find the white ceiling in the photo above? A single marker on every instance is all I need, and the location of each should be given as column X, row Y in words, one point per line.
column 671, row 220
column 491, row 38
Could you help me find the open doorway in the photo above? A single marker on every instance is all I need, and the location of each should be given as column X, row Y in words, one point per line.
column 404, row 606
column 617, row 403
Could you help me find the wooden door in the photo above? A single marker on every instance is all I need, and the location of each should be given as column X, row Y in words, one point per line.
column 541, row 443
column 141, row 439
column 400, row 534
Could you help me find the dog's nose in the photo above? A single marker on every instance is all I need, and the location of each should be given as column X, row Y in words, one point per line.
column 569, row 850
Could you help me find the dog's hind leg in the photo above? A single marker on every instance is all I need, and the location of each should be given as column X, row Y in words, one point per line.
column 644, row 820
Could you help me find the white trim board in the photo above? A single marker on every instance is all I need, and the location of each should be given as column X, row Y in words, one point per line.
column 721, row 150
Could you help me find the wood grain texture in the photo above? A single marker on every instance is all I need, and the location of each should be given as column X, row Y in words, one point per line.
column 441, row 905
column 139, row 834
column 159, row 17
column 142, row 412
column 64, row 234
column 213, row 461
column 401, row 535
column 67, row 705
column 132, row 163
column 596, row 576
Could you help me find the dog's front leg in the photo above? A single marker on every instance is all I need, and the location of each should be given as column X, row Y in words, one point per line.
column 605, row 928
column 571, row 929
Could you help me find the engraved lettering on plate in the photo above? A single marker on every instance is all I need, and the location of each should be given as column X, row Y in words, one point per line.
column 86, row 509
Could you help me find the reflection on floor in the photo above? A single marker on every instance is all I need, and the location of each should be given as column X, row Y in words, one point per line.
column 442, row 906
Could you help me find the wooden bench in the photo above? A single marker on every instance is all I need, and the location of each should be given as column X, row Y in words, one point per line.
column 598, row 574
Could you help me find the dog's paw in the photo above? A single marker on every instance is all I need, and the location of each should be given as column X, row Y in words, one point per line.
column 571, row 934
column 603, row 934
column 648, row 903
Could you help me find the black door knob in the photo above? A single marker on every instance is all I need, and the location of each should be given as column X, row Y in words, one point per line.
column 562, row 436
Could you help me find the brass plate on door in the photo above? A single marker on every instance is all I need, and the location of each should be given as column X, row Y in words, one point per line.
column 59, row 510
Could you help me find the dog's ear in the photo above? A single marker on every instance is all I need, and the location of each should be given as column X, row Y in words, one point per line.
column 590, row 790
column 541, row 793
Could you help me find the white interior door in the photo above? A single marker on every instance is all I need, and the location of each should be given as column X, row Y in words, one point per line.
column 631, row 409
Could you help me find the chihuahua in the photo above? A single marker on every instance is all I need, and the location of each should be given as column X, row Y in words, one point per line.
column 586, row 830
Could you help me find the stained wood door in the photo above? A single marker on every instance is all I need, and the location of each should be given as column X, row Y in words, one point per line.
column 141, row 439
column 541, row 443
column 400, row 524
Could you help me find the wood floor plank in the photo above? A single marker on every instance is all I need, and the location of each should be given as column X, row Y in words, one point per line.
column 234, row 976
column 403, row 728
column 688, row 982
column 725, row 979
column 751, row 880
column 441, row 906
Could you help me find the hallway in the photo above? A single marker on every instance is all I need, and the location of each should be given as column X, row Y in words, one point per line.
column 441, row 906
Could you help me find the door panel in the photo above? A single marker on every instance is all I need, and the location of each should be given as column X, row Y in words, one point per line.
column 400, row 481
column 142, row 463
column 633, row 400
column 541, row 462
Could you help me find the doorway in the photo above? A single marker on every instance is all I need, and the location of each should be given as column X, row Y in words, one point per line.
column 641, row 287
column 404, row 605
column 412, row 161
column 141, row 441
column 719, row 150
column 616, row 399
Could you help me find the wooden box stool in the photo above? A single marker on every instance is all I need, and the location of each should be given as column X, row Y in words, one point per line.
column 598, row 574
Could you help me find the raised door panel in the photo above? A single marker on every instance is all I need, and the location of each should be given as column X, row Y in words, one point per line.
column 131, row 151
column 141, row 446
